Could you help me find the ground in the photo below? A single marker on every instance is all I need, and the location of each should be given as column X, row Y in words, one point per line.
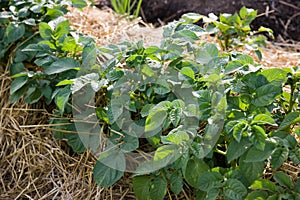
column 35, row 165
column 281, row 16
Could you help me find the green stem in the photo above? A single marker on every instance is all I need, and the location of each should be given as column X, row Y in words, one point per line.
column 291, row 101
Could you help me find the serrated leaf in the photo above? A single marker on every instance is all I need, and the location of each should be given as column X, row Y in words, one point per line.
column 283, row 179
column 62, row 65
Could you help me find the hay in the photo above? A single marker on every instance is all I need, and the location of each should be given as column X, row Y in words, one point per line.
column 34, row 165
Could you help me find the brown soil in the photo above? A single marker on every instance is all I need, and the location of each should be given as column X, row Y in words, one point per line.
column 281, row 16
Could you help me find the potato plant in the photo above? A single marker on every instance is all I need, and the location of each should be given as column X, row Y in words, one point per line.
column 182, row 113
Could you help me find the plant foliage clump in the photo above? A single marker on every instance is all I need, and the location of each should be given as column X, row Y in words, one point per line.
column 183, row 113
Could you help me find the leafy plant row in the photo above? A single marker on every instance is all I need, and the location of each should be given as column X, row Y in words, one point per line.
column 201, row 114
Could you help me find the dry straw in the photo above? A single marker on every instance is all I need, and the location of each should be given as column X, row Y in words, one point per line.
column 34, row 165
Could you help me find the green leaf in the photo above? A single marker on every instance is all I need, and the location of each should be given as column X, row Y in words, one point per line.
column 188, row 72
column 14, row 32
column 89, row 56
column 257, row 195
column 264, row 185
column 283, row 179
column 297, row 186
column 69, row 45
column 266, row 94
column 155, row 120
column 147, row 188
column 146, row 109
column 275, row 75
column 109, row 168
column 234, row 189
column 263, row 119
column 236, row 149
column 295, row 156
column 79, row 3
column 176, row 182
column 158, row 188
column 164, row 155
column 289, row 119
column 62, row 98
column 141, row 187
column 256, row 155
column 30, row 22
column 193, row 171
column 127, row 143
column 258, row 137
column 186, row 35
column 238, row 130
column 177, row 137
column 18, row 83
column 45, row 31
column 279, row 156
column 205, row 53
column 63, row 28
column 33, row 95
column 162, row 87
column 61, row 65
column 251, row 170
column 75, row 142
column 209, row 180
column 16, row 96
column 233, row 66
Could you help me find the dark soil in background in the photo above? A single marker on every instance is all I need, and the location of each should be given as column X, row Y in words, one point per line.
column 282, row 16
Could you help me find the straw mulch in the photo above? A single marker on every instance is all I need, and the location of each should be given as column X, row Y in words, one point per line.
column 34, row 165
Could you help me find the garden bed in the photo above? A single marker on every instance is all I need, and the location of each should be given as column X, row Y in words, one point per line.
column 35, row 165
